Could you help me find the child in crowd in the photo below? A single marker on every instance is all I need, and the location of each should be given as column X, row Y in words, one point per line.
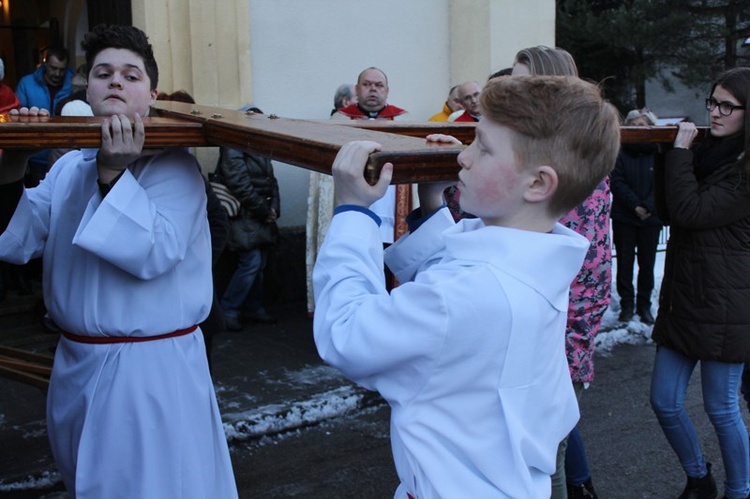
column 131, row 410
column 469, row 350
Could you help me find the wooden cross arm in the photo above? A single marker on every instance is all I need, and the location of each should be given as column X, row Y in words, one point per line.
column 465, row 131
column 77, row 132
column 27, row 367
column 309, row 144
column 314, row 144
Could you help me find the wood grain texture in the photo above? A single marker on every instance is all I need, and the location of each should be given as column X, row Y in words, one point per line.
column 309, row 144
column 78, row 132
column 314, row 144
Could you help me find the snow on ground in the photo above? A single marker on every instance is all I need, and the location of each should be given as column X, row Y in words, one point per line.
column 286, row 416
column 45, row 480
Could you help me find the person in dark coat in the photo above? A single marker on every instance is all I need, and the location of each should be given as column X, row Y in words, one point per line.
column 218, row 224
column 703, row 193
column 635, row 226
column 251, row 180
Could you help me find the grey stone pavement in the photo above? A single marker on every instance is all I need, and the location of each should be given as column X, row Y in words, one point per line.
column 293, row 422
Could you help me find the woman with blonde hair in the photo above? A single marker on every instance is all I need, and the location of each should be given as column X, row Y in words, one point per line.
column 543, row 60
column 590, row 291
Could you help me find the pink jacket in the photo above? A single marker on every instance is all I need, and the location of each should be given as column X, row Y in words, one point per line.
column 590, row 290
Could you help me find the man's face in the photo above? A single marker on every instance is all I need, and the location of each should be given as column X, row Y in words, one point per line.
column 119, row 84
column 372, row 90
column 454, row 101
column 469, row 93
column 54, row 71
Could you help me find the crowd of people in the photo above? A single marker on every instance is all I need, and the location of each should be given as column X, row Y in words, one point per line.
column 503, row 277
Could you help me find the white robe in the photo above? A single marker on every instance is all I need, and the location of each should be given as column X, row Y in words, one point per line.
column 469, row 350
column 127, row 419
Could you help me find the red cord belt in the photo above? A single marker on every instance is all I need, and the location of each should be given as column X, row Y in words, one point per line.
column 101, row 340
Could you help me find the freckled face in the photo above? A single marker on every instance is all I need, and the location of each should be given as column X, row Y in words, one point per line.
column 118, row 84
column 490, row 182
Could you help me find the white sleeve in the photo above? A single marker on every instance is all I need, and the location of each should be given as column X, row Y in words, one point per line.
column 416, row 251
column 383, row 342
column 144, row 225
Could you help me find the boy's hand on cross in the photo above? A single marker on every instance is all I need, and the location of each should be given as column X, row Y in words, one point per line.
column 431, row 194
column 122, row 143
column 350, row 186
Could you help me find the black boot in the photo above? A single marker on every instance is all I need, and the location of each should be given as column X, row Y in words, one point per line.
column 583, row 491
column 700, row 488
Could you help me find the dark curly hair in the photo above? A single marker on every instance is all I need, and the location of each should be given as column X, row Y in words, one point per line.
column 121, row 37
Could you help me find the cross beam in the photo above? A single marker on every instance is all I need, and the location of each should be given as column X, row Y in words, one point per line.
column 305, row 143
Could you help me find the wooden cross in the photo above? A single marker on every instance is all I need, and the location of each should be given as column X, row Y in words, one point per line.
column 305, row 143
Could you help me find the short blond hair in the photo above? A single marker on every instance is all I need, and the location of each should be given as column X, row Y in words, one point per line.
column 558, row 121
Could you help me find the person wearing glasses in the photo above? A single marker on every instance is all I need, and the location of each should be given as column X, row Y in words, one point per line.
column 703, row 192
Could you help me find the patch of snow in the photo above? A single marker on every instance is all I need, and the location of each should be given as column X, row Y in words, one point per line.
column 45, row 480
column 279, row 418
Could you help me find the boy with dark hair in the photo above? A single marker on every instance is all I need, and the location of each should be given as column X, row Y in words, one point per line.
column 131, row 410
column 469, row 351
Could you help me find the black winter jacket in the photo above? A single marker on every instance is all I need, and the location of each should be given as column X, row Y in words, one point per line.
column 250, row 179
column 704, row 305
column 632, row 185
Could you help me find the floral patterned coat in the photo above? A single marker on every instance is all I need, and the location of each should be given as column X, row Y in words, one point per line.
column 590, row 290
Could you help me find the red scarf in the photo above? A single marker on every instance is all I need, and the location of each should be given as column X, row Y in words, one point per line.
column 354, row 112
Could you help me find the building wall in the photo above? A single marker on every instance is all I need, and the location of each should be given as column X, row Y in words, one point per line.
column 288, row 56
column 303, row 50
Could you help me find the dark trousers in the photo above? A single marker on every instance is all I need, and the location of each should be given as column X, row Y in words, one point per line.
column 629, row 242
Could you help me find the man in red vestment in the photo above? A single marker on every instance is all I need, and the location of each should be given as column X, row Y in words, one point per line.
column 8, row 99
column 372, row 96
column 469, row 94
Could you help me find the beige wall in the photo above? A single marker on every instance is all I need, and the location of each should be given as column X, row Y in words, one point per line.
column 486, row 34
column 202, row 47
column 288, row 56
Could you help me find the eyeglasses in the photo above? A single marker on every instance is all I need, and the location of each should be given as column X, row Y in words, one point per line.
column 725, row 108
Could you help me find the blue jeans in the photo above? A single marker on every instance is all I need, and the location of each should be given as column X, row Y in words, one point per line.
column 249, row 268
column 576, row 463
column 720, row 383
